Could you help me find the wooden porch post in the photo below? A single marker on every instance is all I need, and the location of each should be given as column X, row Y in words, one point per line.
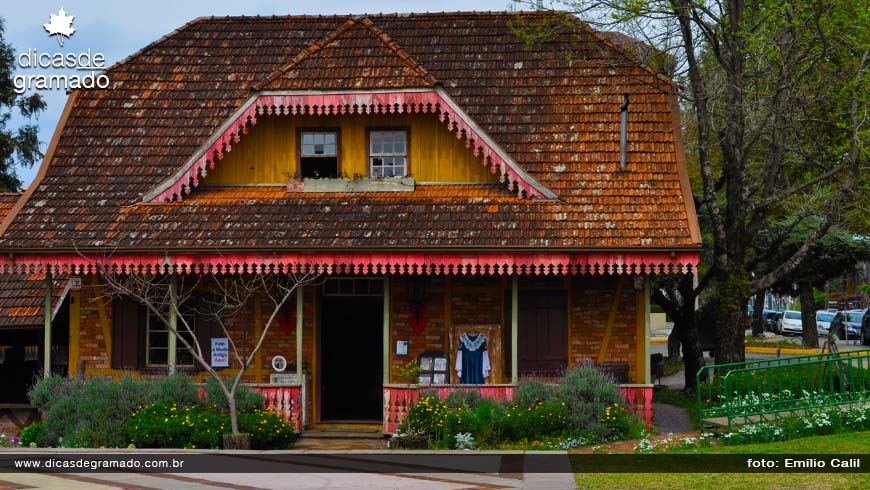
column 300, row 297
column 647, row 330
column 173, row 326
column 46, row 357
column 75, row 298
column 515, row 314
column 386, row 354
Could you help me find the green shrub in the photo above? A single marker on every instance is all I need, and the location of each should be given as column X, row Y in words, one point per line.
column 94, row 412
column 586, row 393
column 485, row 422
column 176, row 388
column 168, row 425
column 247, row 400
column 427, row 415
column 269, row 430
column 462, row 399
column 33, row 434
column 530, row 392
column 165, row 424
column 541, row 419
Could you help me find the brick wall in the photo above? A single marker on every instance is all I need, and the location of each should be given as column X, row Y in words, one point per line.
column 432, row 337
column 591, row 299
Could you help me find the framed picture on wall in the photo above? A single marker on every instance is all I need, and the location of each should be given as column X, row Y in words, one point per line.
column 425, row 364
column 433, row 365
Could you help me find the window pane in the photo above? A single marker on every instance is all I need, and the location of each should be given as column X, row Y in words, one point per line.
column 158, row 356
column 319, row 144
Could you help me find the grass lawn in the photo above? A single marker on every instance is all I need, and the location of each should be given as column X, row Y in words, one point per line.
column 853, row 443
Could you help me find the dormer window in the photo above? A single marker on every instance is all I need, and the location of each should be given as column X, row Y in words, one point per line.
column 388, row 153
column 319, row 153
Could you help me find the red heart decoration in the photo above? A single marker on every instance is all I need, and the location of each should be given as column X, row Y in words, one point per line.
column 418, row 321
column 287, row 318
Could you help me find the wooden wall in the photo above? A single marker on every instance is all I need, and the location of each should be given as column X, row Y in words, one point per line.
column 268, row 153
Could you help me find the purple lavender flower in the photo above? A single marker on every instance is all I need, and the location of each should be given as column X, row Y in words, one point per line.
column 16, row 440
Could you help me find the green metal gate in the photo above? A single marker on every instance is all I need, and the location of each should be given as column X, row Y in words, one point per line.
column 763, row 390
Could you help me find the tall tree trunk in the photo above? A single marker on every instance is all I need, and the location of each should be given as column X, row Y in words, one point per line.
column 758, row 315
column 693, row 356
column 808, row 315
column 732, row 295
column 674, row 343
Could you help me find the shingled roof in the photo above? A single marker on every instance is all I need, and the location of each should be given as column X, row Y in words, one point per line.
column 553, row 107
column 22, row 296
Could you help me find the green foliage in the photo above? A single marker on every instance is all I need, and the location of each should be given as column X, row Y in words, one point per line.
column 33, row 434
column 17, row 146
column 427, row 415
column 409, row 372
column 269, row 430
column 247, row 400
column 169, row 425
column 538, row 420
column 583, row 406
column 587, row 393
column 166, row 424
column 824, row 421
column 462, row 399
column 94, row 412
column 531, row 391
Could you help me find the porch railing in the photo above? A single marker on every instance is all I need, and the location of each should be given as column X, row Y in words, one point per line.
column 398, row 399
column 764, row 390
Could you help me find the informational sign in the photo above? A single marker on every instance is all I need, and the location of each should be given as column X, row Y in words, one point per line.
column 283, row 379
column 220, row 352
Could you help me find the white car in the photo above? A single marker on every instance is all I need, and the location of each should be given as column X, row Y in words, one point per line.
column 823, row 321
column 791, row 323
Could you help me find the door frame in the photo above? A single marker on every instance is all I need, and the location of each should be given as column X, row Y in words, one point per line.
column 317, row 345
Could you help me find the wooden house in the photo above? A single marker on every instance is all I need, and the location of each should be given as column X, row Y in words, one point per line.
column 441, row 176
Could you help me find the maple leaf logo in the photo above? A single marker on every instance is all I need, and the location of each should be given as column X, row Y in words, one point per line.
column 60, row 26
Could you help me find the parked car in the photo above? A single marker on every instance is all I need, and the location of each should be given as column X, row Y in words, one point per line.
column 825, row 318
column 852, row 324
column 791, row 323
column 772, row 321
column 865, row 327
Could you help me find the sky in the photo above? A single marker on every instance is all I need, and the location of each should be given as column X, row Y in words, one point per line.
column 120, row 28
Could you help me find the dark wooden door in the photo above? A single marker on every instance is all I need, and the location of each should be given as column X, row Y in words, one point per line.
column 543, row 332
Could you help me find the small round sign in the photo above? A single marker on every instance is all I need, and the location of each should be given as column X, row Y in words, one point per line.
column 279, row 363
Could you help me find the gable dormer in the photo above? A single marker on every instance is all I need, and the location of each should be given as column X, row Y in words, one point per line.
column 352, row 105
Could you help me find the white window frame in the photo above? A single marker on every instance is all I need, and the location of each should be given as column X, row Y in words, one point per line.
column 179, row 346
column 313, row 144
column 384, row 155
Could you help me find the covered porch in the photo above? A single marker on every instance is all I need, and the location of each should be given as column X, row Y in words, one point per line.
column 347, row 337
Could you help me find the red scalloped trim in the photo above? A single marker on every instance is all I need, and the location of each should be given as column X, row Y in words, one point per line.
column 345, row 103
column 362, row 263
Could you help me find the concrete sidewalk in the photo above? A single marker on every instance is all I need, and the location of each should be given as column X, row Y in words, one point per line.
column 316, row 472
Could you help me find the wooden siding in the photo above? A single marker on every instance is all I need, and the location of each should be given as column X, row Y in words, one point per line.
column 268, row 153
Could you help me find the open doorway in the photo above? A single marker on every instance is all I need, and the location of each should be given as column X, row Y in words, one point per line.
column 351, row 350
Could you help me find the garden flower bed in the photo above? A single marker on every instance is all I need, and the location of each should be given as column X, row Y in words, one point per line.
column 583, row 407
column 168, row 413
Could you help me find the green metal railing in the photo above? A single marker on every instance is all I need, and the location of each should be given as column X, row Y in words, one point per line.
column 762, row 390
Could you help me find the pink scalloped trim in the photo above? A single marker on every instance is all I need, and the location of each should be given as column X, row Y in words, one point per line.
column 362, row 263
column 337, row 104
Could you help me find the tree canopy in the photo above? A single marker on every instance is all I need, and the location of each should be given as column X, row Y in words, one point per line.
column 18, row 146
